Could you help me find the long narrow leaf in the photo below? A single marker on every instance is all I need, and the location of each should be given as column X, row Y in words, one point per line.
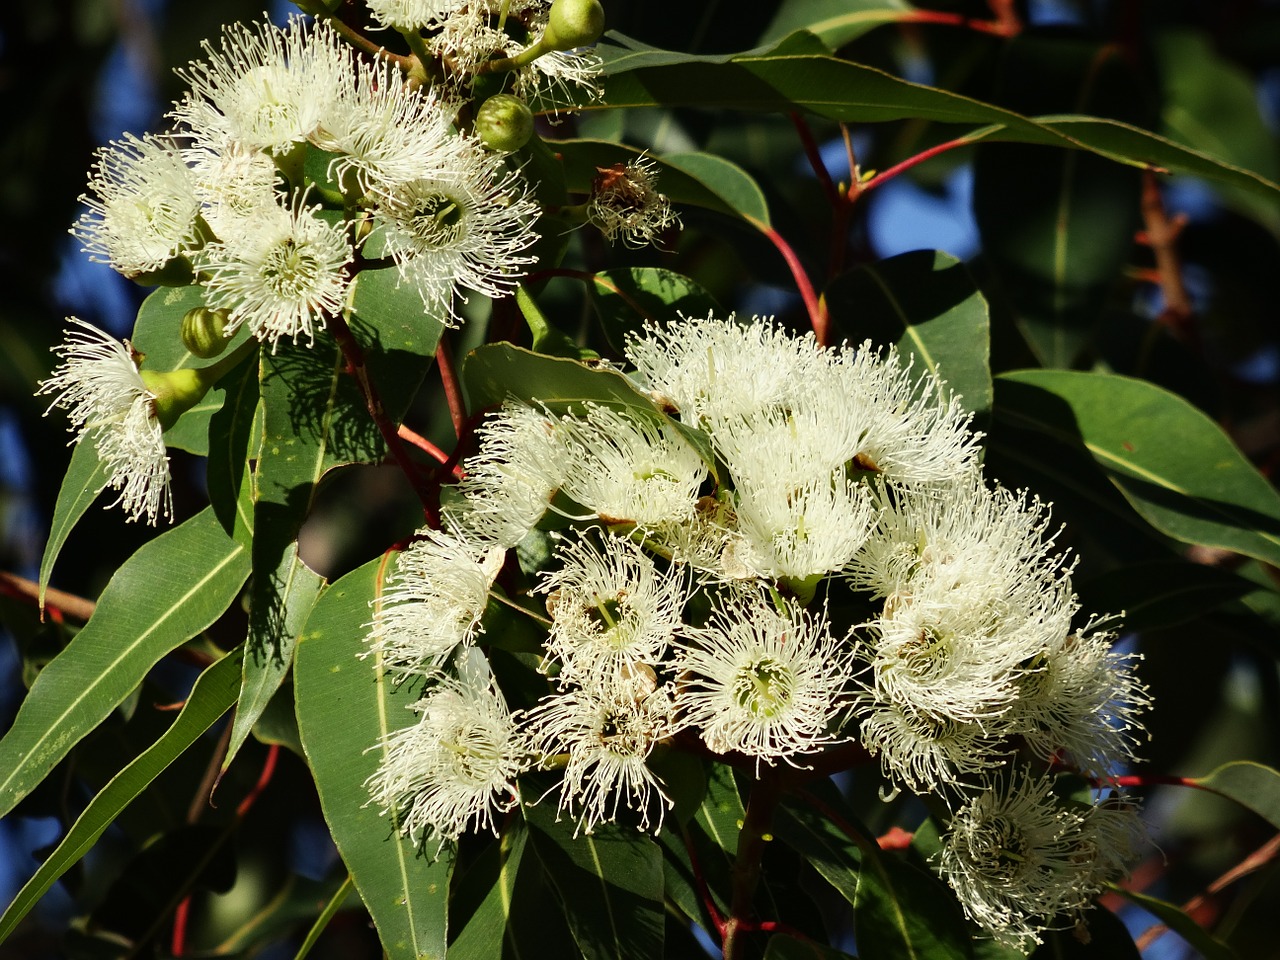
column 210, row 698
column 166, row 593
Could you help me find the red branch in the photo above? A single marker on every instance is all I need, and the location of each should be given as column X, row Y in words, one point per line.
column 816, row 309
column 452, row 388
column 907, row 164
column 427, row 447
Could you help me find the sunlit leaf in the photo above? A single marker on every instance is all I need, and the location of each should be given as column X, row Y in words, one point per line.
column 171, row 589
column 1172, row 463
column 346, row 707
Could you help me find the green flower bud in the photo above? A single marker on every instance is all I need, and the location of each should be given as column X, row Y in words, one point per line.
column 202, row 332
column 175, row 392
column 504, row 123
column 573, row 23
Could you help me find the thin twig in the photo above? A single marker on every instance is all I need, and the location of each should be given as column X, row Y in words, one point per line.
column 1254, row 862
column 907, row 164
column 28, row 591
column 452, row 388
column 816, row 308
column 755, row 833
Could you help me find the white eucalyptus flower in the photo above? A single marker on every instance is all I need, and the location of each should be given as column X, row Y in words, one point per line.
column 279, row 272
column 801, row 531
column 107, row 401
column 233, row 183
column 466, row 228
column 767, row 684
column 413, row 14
column 266, row 88
column 717, row 370
column 961, row 541
column 457, row 766
column 606, row 732
column 630, row 468
column 1022, row 862
column 510, row 481
column 923, row 751
column 483, row 31
column 1079, row 698
column 611, row 607
column 917, row 431
column 434, row 600
column 388, row 134
column 143, row 207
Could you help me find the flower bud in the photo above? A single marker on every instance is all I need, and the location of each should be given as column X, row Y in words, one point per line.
column 175, row 392
column 202, row 332
column 504, row 123
column 573, row 23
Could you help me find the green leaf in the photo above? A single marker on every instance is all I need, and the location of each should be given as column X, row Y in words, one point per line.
column 629, row 297
column 728, row 181
column 903, row 912
column 1157, row 595
column 209, row 699
column 1249, row 784
column 398, row 337
column 497, row 371
column 346, row 707
column 1210, row 947
column 298, row 588
column 171, row 589
column 900, row 912
column 157, row 333
column 836, row 22
column 609, row 883
column 1210, row 104
column 852, row 92
column 313, row 420
column 489, row 926
column 927, row 302
column 1172, row 463
column 784, row 947
column 713, row 832
column 1057, row 225
column 232, row 437
column 86, row 478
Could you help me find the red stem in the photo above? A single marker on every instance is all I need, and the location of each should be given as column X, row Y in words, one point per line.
column 1152, row 780
column 700, row 879
column 354, row 356
column 264, row 778
column 178, row 943
column 427, row 447
column 452, row 388
column 907, row 164
column 1003, row 27
column 815, row 158
column 816, row 309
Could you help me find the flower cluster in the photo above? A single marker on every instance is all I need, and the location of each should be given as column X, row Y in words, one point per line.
column 757, row 484
column 291, row 160
column 277, row 124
